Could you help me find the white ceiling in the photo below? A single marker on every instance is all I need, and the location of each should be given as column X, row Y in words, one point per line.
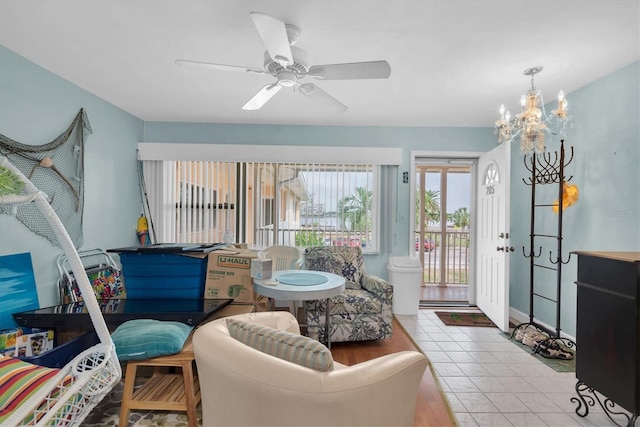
column 452, row 62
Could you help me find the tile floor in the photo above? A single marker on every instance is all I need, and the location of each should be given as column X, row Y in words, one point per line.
column 490, row 381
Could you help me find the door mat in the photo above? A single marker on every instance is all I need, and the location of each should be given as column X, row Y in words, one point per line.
column 558, row 365
column 464, row 318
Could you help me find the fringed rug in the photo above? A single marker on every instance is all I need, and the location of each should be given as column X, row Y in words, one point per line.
column 107, row 413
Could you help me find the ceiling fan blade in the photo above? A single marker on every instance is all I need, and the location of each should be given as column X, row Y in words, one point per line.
column 314, row 92
column 274, row 36
column 220, row 67
column 261, row 98
column 354, row 70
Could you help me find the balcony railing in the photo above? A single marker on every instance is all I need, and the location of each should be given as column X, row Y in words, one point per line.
column 445, row 261
column 308, row 236
column 448, row 261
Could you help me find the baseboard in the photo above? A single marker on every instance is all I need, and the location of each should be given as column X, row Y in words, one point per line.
column 518, row 317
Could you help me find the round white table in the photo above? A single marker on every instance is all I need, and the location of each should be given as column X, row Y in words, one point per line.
column 302, row 285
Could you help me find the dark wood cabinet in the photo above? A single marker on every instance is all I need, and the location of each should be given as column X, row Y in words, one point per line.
column 608, row 325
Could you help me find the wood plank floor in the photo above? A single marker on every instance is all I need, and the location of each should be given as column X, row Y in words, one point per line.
column 449, row 293
column 431, row 409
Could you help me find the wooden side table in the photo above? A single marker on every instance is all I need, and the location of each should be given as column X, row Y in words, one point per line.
column 164, row 390
column 173, row 385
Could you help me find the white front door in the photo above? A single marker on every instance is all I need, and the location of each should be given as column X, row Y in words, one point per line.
column 492, row 231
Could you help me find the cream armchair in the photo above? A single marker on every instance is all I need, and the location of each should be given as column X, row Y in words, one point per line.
column 242, row 386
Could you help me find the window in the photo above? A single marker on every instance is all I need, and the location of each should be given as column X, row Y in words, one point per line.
column 315, row 204
column 264, row 203
column 200, row 216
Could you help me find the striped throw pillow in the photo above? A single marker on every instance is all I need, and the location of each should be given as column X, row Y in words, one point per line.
column 285, row 345
column 20, row 380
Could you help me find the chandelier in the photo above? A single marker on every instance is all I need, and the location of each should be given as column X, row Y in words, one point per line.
column 532, row 123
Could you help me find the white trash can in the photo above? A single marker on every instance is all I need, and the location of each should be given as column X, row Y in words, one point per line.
column 406, row 274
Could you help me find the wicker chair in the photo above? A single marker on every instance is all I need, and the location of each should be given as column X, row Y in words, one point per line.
column 40, row 395
column 363, row 312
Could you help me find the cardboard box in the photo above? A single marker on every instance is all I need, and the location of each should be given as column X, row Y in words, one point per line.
column 8, row 339
column 34, row 342
column 261, row 269
column 229, row 275
column 23, row 342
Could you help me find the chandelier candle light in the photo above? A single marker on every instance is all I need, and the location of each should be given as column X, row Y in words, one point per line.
column 532, row 122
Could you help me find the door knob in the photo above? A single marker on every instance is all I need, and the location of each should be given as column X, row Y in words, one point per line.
column 506, row 248
column 503, row 235
column 500, row 248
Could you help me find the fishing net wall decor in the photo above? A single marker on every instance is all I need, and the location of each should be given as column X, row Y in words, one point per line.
column 56, row 169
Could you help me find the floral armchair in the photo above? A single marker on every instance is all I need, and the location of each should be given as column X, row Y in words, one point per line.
column 363, row 312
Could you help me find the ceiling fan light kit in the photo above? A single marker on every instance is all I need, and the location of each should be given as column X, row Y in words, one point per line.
column 289, row 64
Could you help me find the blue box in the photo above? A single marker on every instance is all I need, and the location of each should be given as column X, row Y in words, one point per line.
column 59, row 356
column 149, row 275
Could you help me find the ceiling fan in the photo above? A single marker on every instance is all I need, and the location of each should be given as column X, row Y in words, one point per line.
column 289, row 64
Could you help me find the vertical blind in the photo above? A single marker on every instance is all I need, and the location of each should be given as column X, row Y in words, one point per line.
column 263, row 203
column 206, row 202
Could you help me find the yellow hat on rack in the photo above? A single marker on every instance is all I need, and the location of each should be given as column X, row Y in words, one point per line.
column 570, row 196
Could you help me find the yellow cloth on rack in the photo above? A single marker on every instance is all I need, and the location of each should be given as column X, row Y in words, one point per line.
column 570, row 196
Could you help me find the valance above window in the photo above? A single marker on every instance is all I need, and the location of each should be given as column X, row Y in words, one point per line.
column 269, row 153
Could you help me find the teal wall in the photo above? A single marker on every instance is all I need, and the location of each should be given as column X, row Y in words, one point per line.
column 36, row 106
column 408, row 138
column 605, row 135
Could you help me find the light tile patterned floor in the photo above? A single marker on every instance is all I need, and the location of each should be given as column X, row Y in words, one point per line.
column 492, row 382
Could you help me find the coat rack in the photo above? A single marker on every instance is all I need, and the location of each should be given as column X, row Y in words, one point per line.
column 546, row 169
